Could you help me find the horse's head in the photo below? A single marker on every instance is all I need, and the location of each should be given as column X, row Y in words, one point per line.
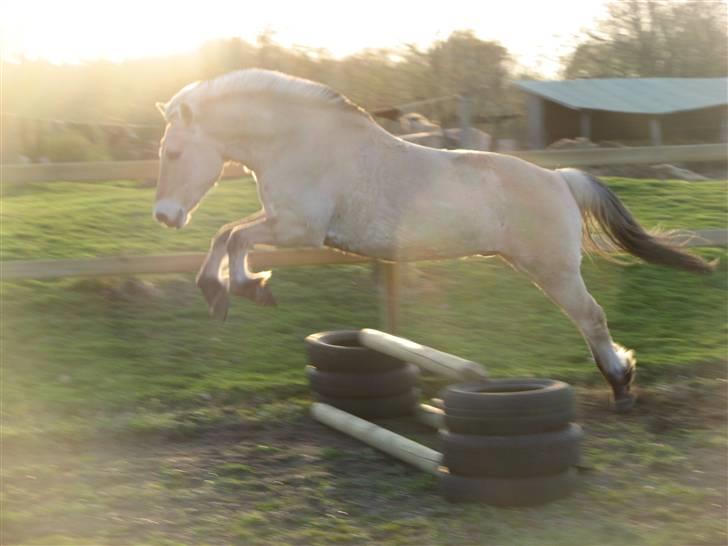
column 190, row 162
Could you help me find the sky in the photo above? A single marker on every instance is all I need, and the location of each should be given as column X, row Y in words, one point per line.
column 536, row 32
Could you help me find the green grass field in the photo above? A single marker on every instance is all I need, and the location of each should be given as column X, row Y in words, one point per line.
column 141, row 421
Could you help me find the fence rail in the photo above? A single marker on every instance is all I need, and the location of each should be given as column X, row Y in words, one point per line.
column 264, row 258
column 260, row 259
column 147, row 169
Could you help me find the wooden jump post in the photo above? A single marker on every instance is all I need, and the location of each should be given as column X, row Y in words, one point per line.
column 404, row 449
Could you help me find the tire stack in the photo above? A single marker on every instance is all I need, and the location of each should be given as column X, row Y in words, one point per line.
column 358, row 380
column 510, row 442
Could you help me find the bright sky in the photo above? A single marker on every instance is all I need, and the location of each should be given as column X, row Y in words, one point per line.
column 537, row 32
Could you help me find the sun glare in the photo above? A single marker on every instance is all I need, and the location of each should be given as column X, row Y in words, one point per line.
column 536, row 33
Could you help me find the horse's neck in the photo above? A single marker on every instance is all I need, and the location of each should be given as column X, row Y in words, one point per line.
column 305, row 143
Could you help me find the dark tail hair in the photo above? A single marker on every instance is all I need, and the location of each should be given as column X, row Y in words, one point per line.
column 602, row 207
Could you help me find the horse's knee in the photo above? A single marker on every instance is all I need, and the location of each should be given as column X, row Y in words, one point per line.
column 236, row 241
column 221, row 238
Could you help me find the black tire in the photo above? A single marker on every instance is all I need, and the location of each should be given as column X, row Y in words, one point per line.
column 376, row 408
column 509, row 406
column 512, row 456
column 510, row 397
column 507, row 426
column 340, row 351
column 365, row 385
column 508, row 491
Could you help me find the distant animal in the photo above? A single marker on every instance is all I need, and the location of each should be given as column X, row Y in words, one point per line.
column 420, row 130
column 329, row 176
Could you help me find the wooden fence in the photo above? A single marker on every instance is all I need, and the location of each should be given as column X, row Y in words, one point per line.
column 264, row 258
column 147, row 169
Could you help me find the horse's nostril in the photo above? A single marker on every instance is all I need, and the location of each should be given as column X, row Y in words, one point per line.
column 162, row 218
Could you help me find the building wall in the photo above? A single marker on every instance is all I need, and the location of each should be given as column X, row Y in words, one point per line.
column 696, row 126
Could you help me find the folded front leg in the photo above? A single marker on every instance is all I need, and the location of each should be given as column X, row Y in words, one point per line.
column 244, row 282
column 212, row 279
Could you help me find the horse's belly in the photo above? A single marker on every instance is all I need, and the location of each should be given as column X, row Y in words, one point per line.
column 417, row 237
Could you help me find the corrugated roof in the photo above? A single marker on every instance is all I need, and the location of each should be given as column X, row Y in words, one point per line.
column 633, row 95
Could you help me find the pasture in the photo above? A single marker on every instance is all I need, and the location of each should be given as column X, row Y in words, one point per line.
column 130, row 417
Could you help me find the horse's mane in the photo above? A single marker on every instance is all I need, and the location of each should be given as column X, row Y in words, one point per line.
column 256, row 80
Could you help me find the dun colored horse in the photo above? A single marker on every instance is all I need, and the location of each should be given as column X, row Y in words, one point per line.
column 328, row 175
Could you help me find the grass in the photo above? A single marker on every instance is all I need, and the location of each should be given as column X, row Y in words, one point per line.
column 183, row 412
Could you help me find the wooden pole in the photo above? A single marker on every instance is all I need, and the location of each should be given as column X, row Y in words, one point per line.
column 536, row 119
column 432, row 360
column 655, row 131
column 465, row 113
column 391, row 280
column 397, row 446
column 431, row 416
column 585, row 124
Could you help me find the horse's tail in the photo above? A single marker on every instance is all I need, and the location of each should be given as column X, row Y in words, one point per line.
column 601, row 208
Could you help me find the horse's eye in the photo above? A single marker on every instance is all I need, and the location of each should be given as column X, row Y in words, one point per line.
column 172, row 154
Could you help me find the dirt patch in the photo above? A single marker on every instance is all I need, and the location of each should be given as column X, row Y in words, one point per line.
column 297, row 482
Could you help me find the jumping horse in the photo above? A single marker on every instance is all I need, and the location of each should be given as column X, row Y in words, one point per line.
column 328, row 175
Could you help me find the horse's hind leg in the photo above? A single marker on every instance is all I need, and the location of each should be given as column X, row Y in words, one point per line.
column 563, row 284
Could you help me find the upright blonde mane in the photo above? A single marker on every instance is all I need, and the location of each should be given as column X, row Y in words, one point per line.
column 258, row 81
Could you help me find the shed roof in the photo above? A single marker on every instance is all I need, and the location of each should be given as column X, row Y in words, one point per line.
column 633, row 95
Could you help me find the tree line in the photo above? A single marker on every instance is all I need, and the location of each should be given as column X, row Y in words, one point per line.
column 104, row 110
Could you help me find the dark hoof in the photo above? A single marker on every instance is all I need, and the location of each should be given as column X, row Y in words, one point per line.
column 216, row 296
column 624, row 400
column 219, row 308
column 256, row 290
column 624, row 403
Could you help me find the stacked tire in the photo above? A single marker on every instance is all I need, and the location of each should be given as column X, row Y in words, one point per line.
column 359, row 380
column 510, row 442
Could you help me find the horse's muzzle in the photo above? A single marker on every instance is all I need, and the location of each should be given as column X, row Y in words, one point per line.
column 170, row 214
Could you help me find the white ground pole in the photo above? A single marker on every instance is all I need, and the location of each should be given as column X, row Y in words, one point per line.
column 393, row 444
column 427, row 358
column 430, row 416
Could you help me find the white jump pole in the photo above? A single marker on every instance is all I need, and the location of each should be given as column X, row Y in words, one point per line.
column 430, row 416
column 432, row 360
column 385, row 440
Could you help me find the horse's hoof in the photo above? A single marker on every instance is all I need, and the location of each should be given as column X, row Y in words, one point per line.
column 264, row 297
column 256, row 290
column 624, row 403
column 215, row 294
column 219, row 308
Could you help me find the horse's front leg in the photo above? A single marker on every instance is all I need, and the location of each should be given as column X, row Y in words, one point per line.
column 211, row 279
column 244, row 282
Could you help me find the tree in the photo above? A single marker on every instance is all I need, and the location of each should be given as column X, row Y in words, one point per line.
column 649, row 38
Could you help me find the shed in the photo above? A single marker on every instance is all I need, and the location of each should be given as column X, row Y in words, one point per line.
column 632, row 110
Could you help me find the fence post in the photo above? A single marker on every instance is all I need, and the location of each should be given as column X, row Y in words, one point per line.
column 465, row 114
column 390, row 272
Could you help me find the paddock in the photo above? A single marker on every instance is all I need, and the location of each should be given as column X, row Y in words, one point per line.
column 185, row 430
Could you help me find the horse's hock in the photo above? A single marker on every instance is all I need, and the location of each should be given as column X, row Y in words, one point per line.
column 505, row 442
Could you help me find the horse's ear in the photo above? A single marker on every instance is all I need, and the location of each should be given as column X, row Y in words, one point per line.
column 186, row 113
column 161, row 107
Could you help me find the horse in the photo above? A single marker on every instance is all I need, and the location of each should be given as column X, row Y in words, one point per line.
column 327, row 175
